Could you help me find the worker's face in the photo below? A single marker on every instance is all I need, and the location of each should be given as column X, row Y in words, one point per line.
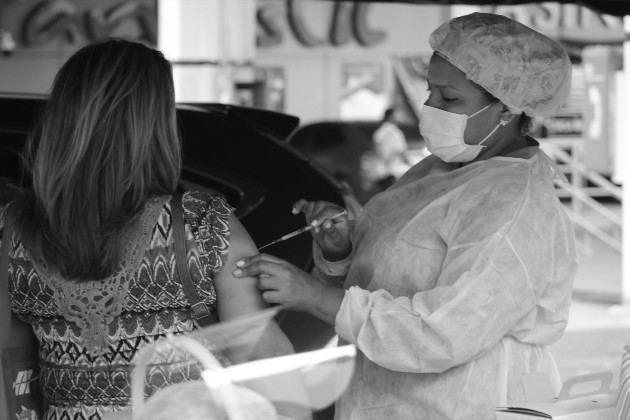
column 451, row 91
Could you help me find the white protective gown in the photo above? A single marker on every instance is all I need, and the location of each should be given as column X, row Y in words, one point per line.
column 464, row 279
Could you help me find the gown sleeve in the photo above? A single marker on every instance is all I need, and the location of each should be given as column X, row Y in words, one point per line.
column 510, row 255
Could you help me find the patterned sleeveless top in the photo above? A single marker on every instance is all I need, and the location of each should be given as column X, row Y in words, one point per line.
column 90, row 331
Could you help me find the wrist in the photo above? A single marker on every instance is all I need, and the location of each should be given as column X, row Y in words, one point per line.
column 334, row 256
column 327, row 303
column 331, row 267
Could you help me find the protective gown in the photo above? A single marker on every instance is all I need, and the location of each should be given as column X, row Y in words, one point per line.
column 460, row 280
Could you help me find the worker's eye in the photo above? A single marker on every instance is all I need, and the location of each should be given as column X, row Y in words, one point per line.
column 448, row 99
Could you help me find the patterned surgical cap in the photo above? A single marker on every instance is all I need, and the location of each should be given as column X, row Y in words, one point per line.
column 524, row 69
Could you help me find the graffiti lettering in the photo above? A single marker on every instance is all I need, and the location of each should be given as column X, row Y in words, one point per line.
column 52, row 19
column 340, row 30
column 267, row 22
column 298, row 27
column 364, row 35
column 348, row 20
column 99, row 24
column 567, row 22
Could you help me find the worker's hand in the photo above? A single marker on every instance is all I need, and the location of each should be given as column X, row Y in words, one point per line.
column 332, row 234
column 280, row 281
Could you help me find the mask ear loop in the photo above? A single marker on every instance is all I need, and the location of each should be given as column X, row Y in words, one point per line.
column 491, row 133
column 502, row 123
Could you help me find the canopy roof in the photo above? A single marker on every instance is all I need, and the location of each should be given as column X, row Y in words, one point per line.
column 611, row 7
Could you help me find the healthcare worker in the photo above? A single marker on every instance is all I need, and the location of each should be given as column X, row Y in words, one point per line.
column 458, row 278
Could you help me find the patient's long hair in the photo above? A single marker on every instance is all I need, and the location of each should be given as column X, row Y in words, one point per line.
column 107, row 140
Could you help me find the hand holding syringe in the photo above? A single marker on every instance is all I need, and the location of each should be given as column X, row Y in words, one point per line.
column 300, row 231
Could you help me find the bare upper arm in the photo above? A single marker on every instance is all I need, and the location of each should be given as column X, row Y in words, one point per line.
column 237, row 296
column 240, row 296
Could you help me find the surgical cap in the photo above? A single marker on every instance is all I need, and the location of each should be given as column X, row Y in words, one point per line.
column 524, row 69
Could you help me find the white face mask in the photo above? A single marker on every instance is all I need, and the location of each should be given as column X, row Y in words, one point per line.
column 443, row 133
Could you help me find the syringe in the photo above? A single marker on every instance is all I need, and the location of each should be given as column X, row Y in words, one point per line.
column 300, row 231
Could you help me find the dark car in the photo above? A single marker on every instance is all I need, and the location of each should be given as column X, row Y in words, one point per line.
column 240, row 152
column 341, row 148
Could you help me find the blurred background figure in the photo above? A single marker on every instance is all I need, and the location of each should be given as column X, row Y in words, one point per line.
column 389, row 157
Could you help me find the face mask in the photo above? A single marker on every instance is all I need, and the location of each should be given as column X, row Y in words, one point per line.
column 443, row 133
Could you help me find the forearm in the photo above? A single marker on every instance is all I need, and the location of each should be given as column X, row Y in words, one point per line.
column 326, row 302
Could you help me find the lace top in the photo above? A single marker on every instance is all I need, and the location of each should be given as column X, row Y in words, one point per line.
column 90, row 331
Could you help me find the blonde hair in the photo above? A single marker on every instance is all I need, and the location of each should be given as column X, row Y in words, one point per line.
column 106, row 142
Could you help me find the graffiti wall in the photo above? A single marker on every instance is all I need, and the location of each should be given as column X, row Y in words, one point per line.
column 37, row 36
column 337, row 55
